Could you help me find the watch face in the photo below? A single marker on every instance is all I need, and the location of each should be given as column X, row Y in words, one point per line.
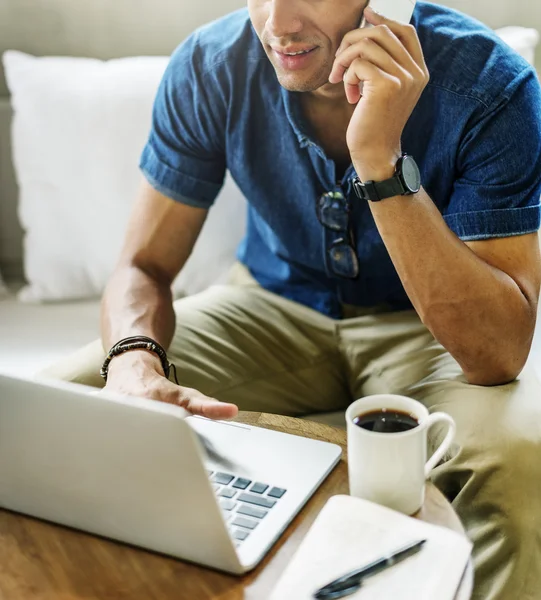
column 411, row 174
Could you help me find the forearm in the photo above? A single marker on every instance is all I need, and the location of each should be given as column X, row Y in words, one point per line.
column 476, row 311
column 134, row 303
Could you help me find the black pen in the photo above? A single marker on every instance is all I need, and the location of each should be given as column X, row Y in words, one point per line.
column 351, row 582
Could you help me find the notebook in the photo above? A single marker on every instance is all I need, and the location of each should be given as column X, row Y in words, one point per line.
column 349, row 533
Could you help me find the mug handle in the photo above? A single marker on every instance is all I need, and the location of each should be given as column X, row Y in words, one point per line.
column 444, row 446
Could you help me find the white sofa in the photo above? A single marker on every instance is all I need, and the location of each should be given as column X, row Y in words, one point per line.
column 34, row 335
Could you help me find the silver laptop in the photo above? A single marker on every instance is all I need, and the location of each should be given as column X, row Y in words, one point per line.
column 143, row 472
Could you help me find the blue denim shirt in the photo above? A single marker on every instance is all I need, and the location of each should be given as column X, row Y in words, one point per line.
column 475, row 134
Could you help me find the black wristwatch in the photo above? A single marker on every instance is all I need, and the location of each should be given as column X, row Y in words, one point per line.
column 405, row 182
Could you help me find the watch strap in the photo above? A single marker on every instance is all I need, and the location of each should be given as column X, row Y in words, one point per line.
column 375, row 191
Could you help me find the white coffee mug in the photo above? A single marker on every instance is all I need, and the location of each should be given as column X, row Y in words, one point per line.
column 391, row 468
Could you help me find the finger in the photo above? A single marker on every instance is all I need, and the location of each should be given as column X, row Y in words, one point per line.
column 368, row 50
column 191, row 400
column 407, row 34
column 381, row 36
column 199, row 404
column 362, row 71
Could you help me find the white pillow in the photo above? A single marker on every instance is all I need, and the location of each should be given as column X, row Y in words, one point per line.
column 79, row 128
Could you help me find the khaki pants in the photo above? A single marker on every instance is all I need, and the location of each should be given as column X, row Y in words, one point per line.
column 242, row 344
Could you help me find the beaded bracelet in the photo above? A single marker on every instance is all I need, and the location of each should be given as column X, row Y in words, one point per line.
column 138, row 342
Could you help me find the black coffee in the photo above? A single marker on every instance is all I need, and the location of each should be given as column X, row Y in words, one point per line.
column 386, row 421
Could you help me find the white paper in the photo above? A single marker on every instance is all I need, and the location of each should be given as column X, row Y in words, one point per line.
column 350, row 532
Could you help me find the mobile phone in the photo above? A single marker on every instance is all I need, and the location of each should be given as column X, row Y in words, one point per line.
column 397, row 10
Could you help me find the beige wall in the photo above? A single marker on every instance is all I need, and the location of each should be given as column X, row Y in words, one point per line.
column 103, row 28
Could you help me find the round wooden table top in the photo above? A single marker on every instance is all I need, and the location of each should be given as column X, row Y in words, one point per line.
column 50, row 562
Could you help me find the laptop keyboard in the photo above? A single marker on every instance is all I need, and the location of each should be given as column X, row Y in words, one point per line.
column 244, row 502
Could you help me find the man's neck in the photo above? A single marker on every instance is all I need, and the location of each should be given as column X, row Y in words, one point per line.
column 329, row 95
column 329, row 114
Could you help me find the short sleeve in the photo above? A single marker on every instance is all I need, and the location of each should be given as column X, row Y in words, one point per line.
column 498, row 188
column 184, row 157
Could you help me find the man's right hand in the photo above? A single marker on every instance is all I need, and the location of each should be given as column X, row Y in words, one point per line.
column 140, row 373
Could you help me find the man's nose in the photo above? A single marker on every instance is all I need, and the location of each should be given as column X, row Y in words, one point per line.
column 283, row 18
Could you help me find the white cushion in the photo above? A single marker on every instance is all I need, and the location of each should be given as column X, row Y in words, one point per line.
column 79, row 127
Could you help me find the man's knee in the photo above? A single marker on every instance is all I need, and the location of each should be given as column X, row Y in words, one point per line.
column 486, row 415
column 81, row 367
column 500, row 504
column 493, row 478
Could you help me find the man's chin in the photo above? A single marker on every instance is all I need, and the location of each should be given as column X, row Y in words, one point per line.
column 295, row 82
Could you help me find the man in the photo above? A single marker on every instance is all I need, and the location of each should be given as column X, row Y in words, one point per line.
column 425, row 285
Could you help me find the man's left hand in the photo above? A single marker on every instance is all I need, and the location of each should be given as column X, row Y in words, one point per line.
column 384, row 71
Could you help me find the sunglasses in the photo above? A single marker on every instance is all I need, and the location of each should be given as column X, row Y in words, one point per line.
column 333, row 212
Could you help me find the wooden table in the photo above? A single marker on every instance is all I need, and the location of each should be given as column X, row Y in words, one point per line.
column 43, row 561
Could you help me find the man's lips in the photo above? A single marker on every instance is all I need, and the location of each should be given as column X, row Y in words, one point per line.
column 291, row 61
column 294, row 50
